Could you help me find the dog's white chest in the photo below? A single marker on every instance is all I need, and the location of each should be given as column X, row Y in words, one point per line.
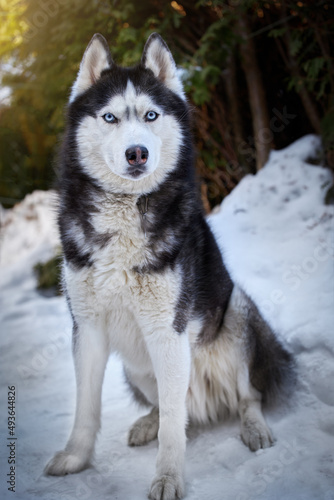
column 127, row 246
column 109, row 293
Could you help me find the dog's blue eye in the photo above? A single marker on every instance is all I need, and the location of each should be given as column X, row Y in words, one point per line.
column 110, row 118
column 151, row 116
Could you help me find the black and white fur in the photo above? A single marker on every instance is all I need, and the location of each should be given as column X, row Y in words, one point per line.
column 143, row 273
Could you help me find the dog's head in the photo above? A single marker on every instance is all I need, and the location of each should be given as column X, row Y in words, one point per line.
column 128, row 122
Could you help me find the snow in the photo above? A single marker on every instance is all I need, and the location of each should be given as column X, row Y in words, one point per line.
column 277, row 238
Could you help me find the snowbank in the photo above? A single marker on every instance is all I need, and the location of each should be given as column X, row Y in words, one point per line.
column 277, row 238
column 29, row 229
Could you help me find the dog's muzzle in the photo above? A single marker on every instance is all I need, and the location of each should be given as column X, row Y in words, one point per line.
column 136, row 157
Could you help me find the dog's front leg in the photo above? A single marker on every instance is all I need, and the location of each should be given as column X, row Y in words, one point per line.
column 90, row 354
column 170, row 355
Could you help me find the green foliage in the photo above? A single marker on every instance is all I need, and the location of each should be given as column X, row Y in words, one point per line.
column 329, row 198
column 44, row 46
column 215, row 46
column 277, row 32
column 296, row 43
column 49, row 276
column 306, row 37
column 42, row 43
column 327, row 126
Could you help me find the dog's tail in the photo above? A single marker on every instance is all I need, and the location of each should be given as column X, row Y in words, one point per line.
column 271, row 366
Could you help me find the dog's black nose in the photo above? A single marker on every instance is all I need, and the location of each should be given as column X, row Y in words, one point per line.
column 136, row 155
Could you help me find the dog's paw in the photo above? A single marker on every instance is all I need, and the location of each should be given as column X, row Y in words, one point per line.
column 65, row 463
column 166, row 487
column 256, row 435
column 144, row 430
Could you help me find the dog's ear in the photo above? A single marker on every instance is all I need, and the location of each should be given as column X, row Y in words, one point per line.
column 158, row 58
column 96, row 58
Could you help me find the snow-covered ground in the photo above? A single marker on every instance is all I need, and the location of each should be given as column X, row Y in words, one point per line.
column 278, row 240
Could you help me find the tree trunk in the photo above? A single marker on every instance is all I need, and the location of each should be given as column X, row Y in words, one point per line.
column 309, row 106
column 231, row 85
column 263, row 137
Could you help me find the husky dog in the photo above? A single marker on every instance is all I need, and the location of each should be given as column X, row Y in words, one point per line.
column 143, row 273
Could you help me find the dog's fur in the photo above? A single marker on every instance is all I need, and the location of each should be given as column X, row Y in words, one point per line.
column 143, row 273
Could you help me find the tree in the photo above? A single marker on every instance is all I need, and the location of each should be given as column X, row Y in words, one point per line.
column 256, row 91
column 248, row 66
